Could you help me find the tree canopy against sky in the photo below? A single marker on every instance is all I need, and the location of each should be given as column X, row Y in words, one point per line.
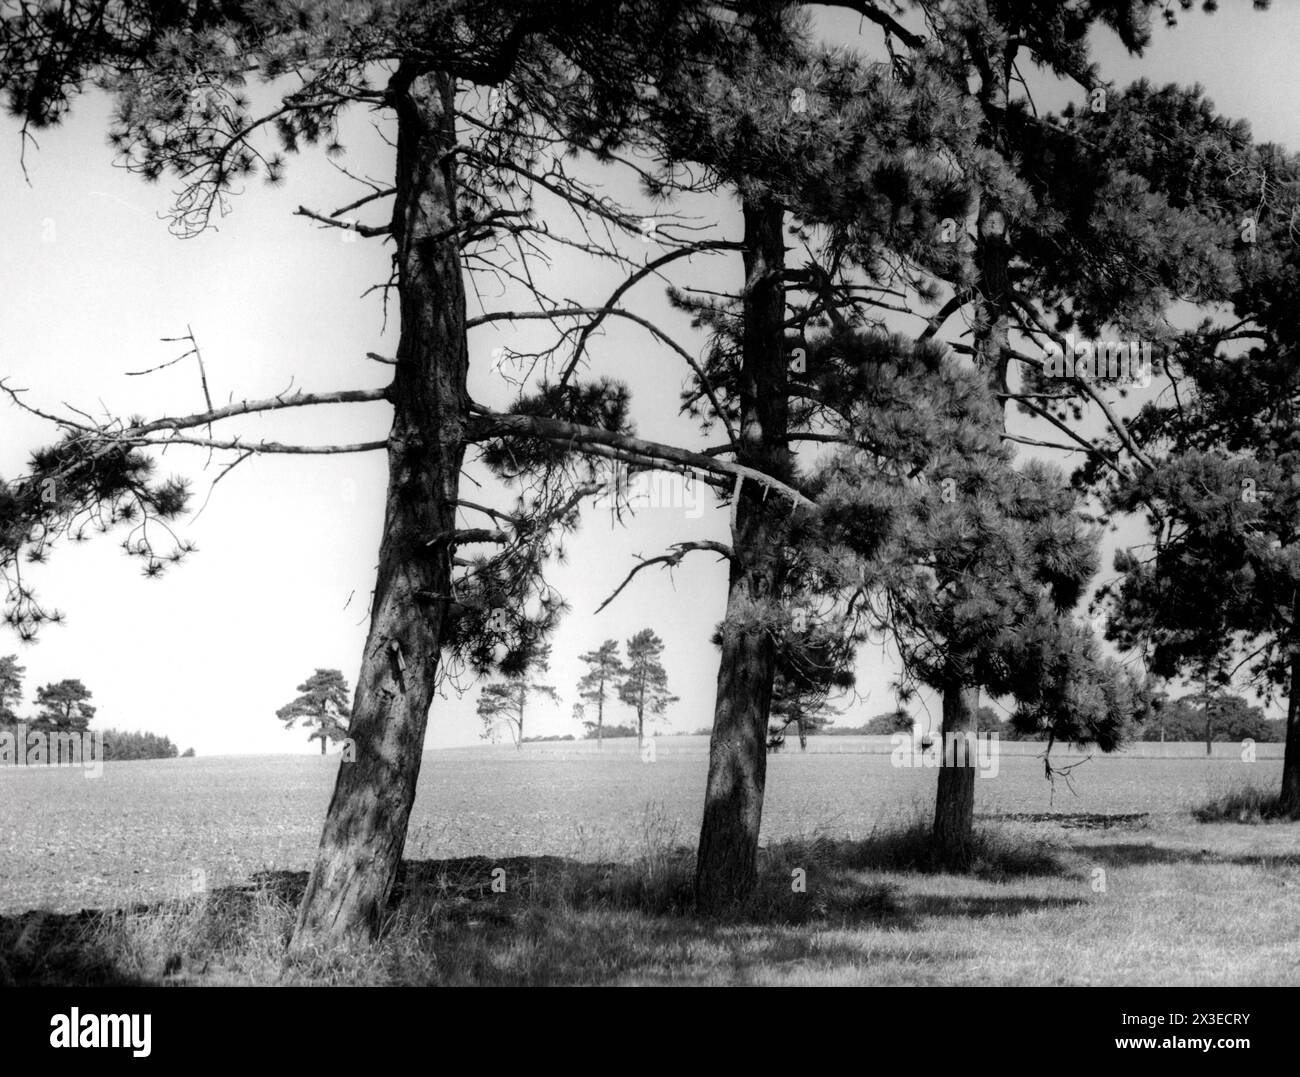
column 95, row 208
column 575, row 75
column 511, row 425
column 63, row 707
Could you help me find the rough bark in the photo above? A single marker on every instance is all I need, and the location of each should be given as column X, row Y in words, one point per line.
column 365, row 827
column 1289, row 802
column 727, row 862
column 954, row 803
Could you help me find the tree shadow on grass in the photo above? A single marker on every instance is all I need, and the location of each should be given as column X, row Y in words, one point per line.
column 817, row 908
column 40, row 948
column 1134, row 854
column 1077, row 820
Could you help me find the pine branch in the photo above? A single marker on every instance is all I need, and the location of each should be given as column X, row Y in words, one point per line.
column 648, row 269
column 882, row 19
column 257, row 446
column 363, row 200
column 1116, row 423
column 589, row 438
column 935, row 323
column 347, row 226
column 468, row 535
column 671, row 560
column 654, row 330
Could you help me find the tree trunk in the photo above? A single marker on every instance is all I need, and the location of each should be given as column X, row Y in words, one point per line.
column 1289, row 802
column 726, row 869
column 803, row 736
column 365, row 828
column 954, row 804
column 322, row 746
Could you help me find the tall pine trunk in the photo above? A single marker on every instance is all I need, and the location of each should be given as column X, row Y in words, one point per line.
column 727, row 862
column 365, row 828
column 954, row 803
column 1289, row 802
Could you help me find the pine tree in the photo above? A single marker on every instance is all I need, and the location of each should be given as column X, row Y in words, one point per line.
column 324, row 707
column 64, row 707
column 808, row 715
column 569, row 77
column 644, row 684
column 604, row 671
column 11, row 688
column 1218, row 592
column 806, row 134
column 969, row 563
column 891, row 170
column 504, row 703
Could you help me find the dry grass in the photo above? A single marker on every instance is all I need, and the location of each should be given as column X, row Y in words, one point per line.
column 1047, row 904
column 1244, row 804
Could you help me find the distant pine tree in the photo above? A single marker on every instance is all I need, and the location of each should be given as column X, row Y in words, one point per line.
column 64, row 707
column 324, row 707
column 644, row 684
column 11, row 688
column 504, row 703
column 599, row 683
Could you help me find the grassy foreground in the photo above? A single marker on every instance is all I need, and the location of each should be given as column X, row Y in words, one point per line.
column 1083, row 899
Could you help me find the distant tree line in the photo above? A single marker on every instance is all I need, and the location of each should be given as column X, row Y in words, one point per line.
column 1219, row 718
column 64, row 707
column 121, row 745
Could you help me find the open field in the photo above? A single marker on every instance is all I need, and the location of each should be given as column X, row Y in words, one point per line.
column 1115, row 885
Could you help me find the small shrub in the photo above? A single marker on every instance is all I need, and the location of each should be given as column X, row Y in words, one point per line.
column 1247, row 804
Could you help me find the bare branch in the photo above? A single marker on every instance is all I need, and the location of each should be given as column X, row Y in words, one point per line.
column 253, row 446
column 362, row 201
column 659, row 334
column 669, row 560
column 468, row 535
column 347, row 226
column 646, row 270
column 935, row 323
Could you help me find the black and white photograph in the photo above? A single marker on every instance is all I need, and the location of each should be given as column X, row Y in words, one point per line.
column 651, row 493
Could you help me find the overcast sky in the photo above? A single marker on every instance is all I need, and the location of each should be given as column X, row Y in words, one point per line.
column 90, row 279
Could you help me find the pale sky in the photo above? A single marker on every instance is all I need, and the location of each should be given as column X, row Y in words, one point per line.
column 90, row 280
